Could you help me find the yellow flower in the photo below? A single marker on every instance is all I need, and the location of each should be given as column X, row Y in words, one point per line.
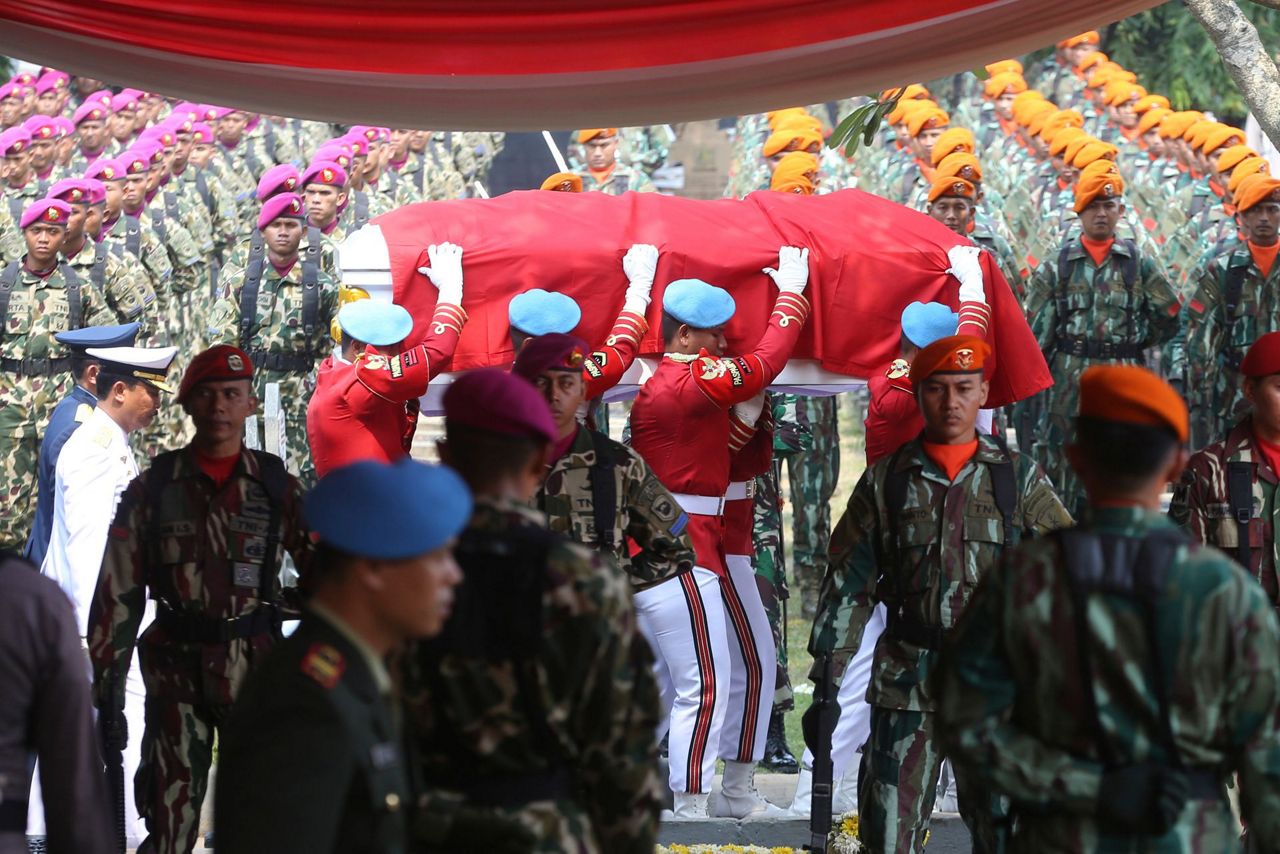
column 849, row 825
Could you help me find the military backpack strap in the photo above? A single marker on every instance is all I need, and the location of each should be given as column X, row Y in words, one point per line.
column 171, row 210
column 75, row 299
column 133, row 236
column 98, row 273
column 1232, row 292
column 362, row 209
column 604, row 491
column 1060, row 292
column 1129, row 275
column 8, row 278
column 249, row 289
column 160, row 224
column 311, row 288
column 1240, row 498
column 15, row 208
column 1004, row 486
column 275, row 479
column 895, row 499
column 202, row 187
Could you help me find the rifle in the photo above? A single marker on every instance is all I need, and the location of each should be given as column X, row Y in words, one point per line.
column 820, row 723
column 113, row 734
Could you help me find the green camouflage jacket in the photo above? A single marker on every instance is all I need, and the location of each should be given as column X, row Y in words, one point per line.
column 238, row 256
column 39, row 309
column 646, row 514
column 621, row 180
column 12, row 246
column 950, row 535
column 1017, row 713
column 127, row 292
column 204, row 555
column 583, row 701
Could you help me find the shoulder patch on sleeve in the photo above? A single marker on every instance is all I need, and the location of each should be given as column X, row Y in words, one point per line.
column 83, row 411
column 898, row 369
column 373, row 362
column 324, row 664
column 397, row 369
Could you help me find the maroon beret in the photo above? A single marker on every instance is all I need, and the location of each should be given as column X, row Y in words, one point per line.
column 498, row 402
column 553, row 351
column 218, row 363
column 1263, row 358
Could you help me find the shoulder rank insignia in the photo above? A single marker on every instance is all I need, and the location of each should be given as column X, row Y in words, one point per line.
column 324, row 664
column 102, row 438
column 83, row 412
column 898, row 369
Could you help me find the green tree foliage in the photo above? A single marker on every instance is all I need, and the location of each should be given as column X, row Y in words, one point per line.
column 1172, row 55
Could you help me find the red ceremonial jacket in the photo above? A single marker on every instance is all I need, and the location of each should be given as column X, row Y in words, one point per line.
column 680, row 422
column 367, row 409
column 604, row 367
column 893, row 418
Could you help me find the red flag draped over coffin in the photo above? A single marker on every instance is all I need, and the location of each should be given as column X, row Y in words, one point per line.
column 868, row 258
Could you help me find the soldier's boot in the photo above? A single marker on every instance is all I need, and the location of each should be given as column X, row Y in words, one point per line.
column 844, row 794
column 738, row 797
column 802, row 802
column 687, row 806
column 777, row 755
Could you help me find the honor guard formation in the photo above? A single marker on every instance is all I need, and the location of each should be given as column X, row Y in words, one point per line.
column 1057, row 618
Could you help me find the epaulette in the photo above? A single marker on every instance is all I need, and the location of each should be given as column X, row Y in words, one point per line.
column 324, row 664
column 83, row 413
column 898, row 369
column 102, row 436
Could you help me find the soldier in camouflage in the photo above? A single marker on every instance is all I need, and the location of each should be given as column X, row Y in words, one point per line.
column 603, row 172
column 534, row 712
column 922, row 528
column 39, row 297
column 203, row 533
column 1081, row 682
column 812, row 475
column 281, row 312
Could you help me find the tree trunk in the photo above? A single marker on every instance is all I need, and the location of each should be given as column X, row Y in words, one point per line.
column 1248, row 62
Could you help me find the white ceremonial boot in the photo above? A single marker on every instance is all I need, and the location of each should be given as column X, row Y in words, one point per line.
column 689, row 806
column 738, row 797
column 803, row 800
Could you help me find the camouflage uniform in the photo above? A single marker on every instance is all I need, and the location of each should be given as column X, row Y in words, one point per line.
column 127, row 294
column 621, row 180
column 1216, row 342
column 1092, row 318
column 38, row 310
column 204, row 559
column 1202, row 504
column 282, row 350
column 813, row 474
column 1018, row 713
column 949, row 534
column 645, row 513
column 12, row 246
column 561, row 719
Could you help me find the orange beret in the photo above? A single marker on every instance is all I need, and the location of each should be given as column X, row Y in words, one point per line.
column 921, row 120
column 1009, row 82
column 952, row 186
column 1263, row 356
column 1248, row 168
column 910, row 92
column 1036, row 110
column 1073, row 147
column 798, row 139
column 1220, row 136
column 960, row 164
column 1147, row 102
column 1092, row 151
column 1065, row 137
column 555, row 182
column 1089, row 60
column 1251, row 193
column 797, row 184
column 1232, row 157
column 797, row 122
column 951, row 141
column 1097, row 184
column 1175, row 124
column 800, row 164
column 1197, row 131
column 1065, row 118
column 588, row 134
column 776, row 116
column 1152, row 118
column 1131, row 394
column 1118, row 92
column 955, row 354
column 900, row 112
column 1091, row 37
column 1003, row 66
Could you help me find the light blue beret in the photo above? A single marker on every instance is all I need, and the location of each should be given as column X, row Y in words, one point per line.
column 926, row 322
column 378, row 323
column 697, row 304
column 388, row 511
column 537, row 312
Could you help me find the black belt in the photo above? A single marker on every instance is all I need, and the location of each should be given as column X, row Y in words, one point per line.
column 13, row 816
column 35, row 367
column 298, row 362
column 186, row 627
column 913, row 631
column 1092, row 348
column 511, row 792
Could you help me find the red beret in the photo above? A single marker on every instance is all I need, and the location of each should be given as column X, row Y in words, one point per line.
column 955, row 354
column 498, row 402
column 553, row 351
column 1263, row 358
column 284, row 204
column 218, row 363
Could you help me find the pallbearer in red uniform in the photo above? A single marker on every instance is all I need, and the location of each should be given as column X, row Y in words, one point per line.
column 681, row 424
column 365, row 405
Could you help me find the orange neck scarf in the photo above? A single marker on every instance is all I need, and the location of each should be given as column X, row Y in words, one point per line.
column 951, row 458
column 1097, row 249
column 1264, row 256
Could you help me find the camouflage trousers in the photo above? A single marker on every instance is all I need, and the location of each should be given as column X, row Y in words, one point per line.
column 813, row 475
column 771, row 576
column 897, row 783
column 25, row 405
column 177, row 751
column 295, row 393
column 447, row 823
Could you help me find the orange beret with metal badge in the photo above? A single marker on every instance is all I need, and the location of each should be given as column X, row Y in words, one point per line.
column 951, row 141
column 1005, row 83
column 1100, row 180
column 1004, row 66
column 1220, row 136
column 921, row 120
column 588, row 134
column 1232, row 157
column 952, row 186
column 1149, row 102
column 1250, row 167
column 559, row 180
column 960, row 164
column 1251, row 193
column 1063, row 138
column 1130, row 394
column 955, row 354
column 1090, row 37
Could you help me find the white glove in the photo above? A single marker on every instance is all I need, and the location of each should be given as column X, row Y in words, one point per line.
column 641, row 265
column 793, row 270
column 965, row 267
column 748, row 411
column 445, row 271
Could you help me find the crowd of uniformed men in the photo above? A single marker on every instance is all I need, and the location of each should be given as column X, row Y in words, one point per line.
column 1093, row 686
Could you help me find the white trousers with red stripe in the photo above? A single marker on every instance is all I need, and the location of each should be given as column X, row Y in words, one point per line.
column 854, row 726
column 753, row 663
column 683, row 620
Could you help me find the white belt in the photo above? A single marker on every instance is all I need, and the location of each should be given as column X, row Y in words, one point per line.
column 740, row 490
column 700, row 505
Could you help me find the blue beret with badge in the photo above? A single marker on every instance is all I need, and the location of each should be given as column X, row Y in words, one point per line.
column 695, row 303
column 926, row 322
column 378, row 323
column 537, row 312
column 406, row 508
column 122, row 335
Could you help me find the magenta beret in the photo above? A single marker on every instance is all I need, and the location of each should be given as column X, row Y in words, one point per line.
column 324, row 172
column 493, row 400
column 285, row 204
column 105, row 169
column 91, row 110
column 50, row 211
column 553, row 351
column 278, row 179
column 14, row 141
column 71, row 190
